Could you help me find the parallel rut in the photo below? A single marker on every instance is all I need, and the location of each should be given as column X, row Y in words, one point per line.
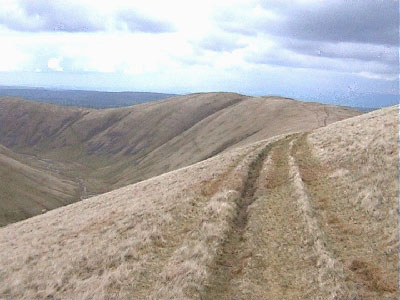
column 231, row 260
column 322, row 277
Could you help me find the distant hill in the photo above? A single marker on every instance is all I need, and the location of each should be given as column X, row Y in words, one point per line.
column 81, row 98
column 111, row 148
column 307, row 215
column 365, row 109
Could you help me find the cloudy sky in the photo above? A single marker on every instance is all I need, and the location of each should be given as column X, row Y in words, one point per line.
column 341, row 51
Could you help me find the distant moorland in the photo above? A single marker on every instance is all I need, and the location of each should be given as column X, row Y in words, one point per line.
column 92, row 99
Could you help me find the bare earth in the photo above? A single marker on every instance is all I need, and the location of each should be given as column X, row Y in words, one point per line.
column 308, row 215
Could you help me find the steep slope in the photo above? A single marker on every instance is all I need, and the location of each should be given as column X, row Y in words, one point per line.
column 118, row 131
column 296, row 216
column 30, row 187
column 252, row 119
column 115, row 147
column 110, row 148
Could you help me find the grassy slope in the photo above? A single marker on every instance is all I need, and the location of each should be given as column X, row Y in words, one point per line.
column 117, row 131
column 324, row 224
column 111, row 148
column 294, row 217
column 28, row 189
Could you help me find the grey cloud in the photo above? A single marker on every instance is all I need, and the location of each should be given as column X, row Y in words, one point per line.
column 137, row 22
column 235, row 21
column 57, row 15
column 196, row 58
column 245, row 22
column 358, row 21
column 47, row 15
column 287, row 58
column 220, row 43
column 366, row 21
column 343, row 35
column 190, row 61
column 365, row 52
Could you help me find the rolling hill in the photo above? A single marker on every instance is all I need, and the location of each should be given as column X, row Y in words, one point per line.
column 306, row 215
column 114, row 147
column 104, row 149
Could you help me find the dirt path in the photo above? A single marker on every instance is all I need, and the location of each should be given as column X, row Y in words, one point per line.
column 326, row 117
column 231, row 259
column 280, row 259
column 275, row 248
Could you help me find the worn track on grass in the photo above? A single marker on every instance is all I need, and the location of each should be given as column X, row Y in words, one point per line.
column 230, row 258
column 276, row 167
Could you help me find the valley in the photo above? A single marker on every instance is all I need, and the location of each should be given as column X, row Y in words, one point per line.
column 103, row 149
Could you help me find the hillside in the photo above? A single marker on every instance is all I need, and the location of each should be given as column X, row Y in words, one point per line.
column 140, row 129
column 29, row 187
column 110, row 148
column 308, row 215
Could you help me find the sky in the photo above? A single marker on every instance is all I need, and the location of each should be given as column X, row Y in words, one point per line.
column 341, row 52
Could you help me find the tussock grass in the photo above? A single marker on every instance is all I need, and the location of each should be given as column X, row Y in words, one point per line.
column 304, row 239
column 302, row 229
column 188, row 269
column 153, row 239
column 351, row 170
column 330, row 270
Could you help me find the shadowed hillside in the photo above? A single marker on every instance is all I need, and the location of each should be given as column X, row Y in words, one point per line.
column 29, row 187
column 109, row 148
column 309, row 215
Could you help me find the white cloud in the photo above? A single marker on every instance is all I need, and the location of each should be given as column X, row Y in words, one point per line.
column 54, row 64
column 198, row 51
column 13, row 57
column 388, row 77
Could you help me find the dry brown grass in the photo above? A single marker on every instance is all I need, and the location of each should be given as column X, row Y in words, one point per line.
column 303, row 241
column 111, row 148
column 287, row 260
column 355, row 188
column 28, row 188
column 153, row 239
column 301, row 233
